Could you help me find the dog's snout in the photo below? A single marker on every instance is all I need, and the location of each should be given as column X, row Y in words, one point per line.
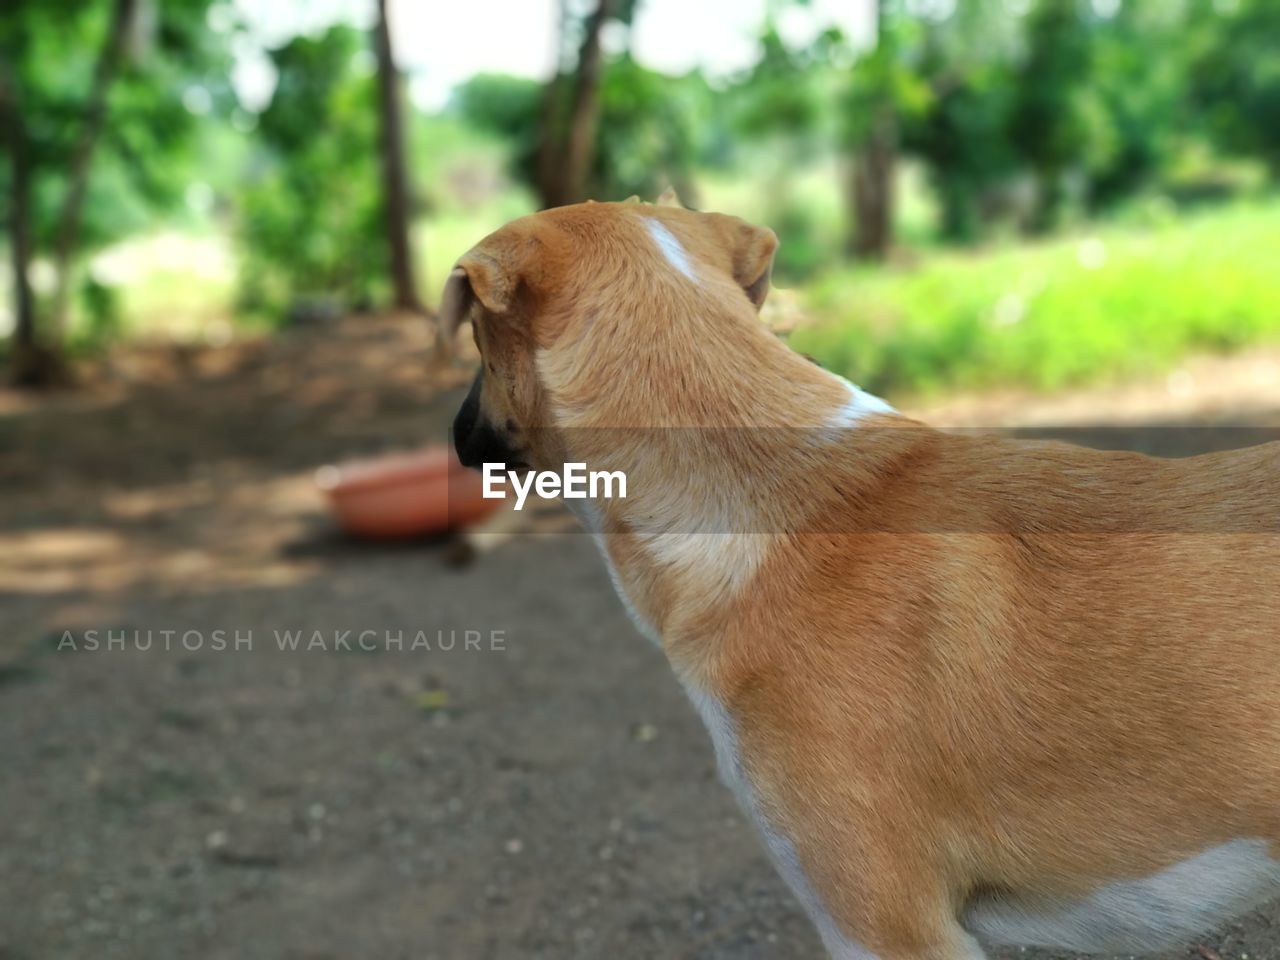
column 468, row 414
column 475, row 438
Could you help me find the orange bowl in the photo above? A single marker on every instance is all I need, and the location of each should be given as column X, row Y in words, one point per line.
column 405, row 494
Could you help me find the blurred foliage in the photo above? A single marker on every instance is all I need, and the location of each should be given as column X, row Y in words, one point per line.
column 172, row 83
column 961, row 138
column 507, row 107
column 1054, row 124
column 960, row 129
column 1235, row 74
column 783, row 93
column 654, row 129
column 102, row 309
column 997, row 119
column 890, row 74
column 310, row 214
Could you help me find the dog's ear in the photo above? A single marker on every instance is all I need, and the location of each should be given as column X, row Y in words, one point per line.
column 750, row 250
column 490, row 279
column 669, row 198
column 455, row 308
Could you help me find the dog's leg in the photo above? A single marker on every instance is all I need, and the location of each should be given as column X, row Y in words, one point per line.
column 870, row 895
column 865, row 883
column 920, row 941
column 922, row 931
column 787, row 862
column 968, row 949
column 949, row 942
column 878, row 919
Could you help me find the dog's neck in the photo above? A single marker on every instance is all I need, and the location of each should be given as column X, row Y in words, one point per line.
column 716, row 437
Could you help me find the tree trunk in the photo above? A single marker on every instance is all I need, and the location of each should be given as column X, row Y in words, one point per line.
column 15, row 136
column 585, row 116
column 870, row 197
column 68, row 232
column 550, row 159
column 24, row 331
column 395, row 192
column 1051, row 196
column 873, row 170
column 550, row 155
column 29, row 364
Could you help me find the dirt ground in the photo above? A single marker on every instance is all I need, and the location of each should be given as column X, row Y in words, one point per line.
column 543, row 791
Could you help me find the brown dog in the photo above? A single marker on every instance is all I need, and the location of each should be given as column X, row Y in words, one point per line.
column 968, row 688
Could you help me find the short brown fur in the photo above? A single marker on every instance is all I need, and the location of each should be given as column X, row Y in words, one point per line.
column 956, row 664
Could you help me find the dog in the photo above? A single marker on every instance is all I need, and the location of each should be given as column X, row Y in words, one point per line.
column 973, row 691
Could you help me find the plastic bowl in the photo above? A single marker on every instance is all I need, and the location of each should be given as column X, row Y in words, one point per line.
column 405, row 494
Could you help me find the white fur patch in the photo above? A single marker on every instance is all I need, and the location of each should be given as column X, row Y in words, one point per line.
column 671, row 248
column 720, row 564
column 859, row 405
column 1165, row 909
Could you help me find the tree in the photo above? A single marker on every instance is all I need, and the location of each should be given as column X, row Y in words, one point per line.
column 312, row 217
column 397, row 201
column 570, row 110
column 781, row 110
column 584, row 112
column 29, row 367
column 34, row 362
column 881, row 87
column 874, row 137
column 75, row 177
column 652, row 128
column 123, row 15
column 1141, row 99
column 961, row 129
column 1050, row 125
column 1235, row 76
column 962, row 139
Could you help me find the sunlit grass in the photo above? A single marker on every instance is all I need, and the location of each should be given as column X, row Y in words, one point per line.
column 1097, row 304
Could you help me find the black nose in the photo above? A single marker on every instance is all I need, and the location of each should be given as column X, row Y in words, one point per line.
column 474, row 437
column 464, row 423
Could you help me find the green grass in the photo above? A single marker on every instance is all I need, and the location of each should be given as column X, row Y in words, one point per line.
column 1106, row 303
